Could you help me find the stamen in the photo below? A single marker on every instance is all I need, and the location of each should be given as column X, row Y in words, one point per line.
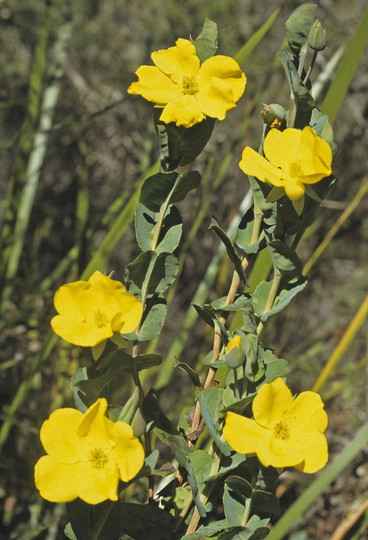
column 190, row 85
column 100, row 318
column 295, row 169
column 281, row 430
column 98, row 458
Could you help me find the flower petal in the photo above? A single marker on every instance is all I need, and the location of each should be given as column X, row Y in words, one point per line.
column 281, row 148
column 70, row 297
column 95, row 425
column 55, row 481
column 130, row 316
column 215, row 99
column 256, row 165
column 293, row 189
column 154, row 85
column 307, row 414
column 97, row 485
column 315, row 452
column 277, row 452
column 225, row 69
column 243, row 434
column 80, row 333
column 128, row 452
column 59, row 435
column 271, row 403
column 314, row 153
column 184, row 111
column 179, row 61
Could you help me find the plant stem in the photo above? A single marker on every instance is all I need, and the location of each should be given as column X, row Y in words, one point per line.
column 306, row 78
column 271, row 296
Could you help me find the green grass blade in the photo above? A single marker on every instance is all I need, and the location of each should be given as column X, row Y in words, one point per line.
column 346, row 69
column 25, row 135
column 100, row 258
column 253, row 41
column 38, row 151
column 317, row 487
column 343, row 345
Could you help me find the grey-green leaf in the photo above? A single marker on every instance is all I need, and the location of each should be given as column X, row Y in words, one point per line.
column 298, row 26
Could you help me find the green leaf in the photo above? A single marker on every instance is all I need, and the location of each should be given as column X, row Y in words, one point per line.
column 227, row 464
column 230, row 248
column 274, row 367
column 156, row 189
column 206, row 42
column 265, row 502
column 284, row 298
column 158, row 269
column 149, row 465
column 139, row 521
column 171, row 232
column 145, row 221
column 260, row 296
column 136, row 272
column 303, row 98
column 165, row 430
column 153, row 322
column 199, row 469
column 92, row 386
column 186, row 182
column 69, row 533
column 79, row 375
column 82, row 518
column 244, row 533
column 208, row 530
column 164, row 273
column 237, row 492
column 206, row 313
column 194, row 376
column 285, row 259
column 180, row 145
column 298, row 26
column 211, row 404
column 240, row 301
column 260, row 191
column 244, row 235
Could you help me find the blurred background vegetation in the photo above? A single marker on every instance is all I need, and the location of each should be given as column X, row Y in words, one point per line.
column 74, row 147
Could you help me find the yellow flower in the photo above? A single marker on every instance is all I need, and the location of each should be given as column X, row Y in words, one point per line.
column 87, row 454
column 91, row 311
column 284, row 432
column 293, row 158
column 190, row 91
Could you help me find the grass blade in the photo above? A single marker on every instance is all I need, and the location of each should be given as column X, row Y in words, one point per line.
column 346, row 69
column 253, row 41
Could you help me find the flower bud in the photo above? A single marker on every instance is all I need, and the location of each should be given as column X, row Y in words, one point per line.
column 317, row 37
column 234, row 356
column 273, row 112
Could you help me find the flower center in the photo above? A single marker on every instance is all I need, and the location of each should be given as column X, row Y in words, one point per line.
column 100, row 318
column 295, row 169
column 98, row 458
column 281, row 431
column 190, row 85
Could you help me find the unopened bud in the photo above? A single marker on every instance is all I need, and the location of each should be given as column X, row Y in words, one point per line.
column 317, row 37
column 234, row 356
column 273, row 112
